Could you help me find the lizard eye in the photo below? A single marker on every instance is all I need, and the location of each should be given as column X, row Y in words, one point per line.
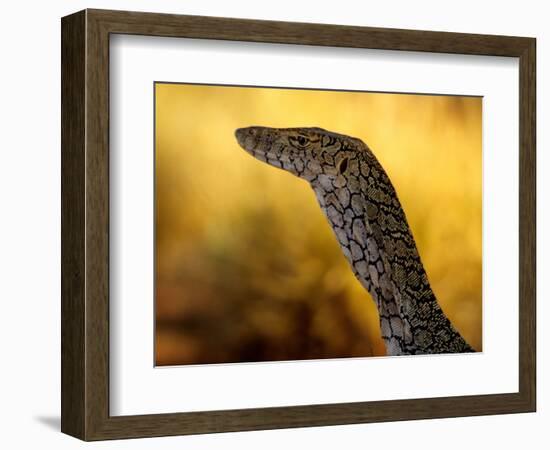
column 299, row 141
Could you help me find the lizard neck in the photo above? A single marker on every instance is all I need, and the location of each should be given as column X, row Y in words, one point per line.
column 371, row 227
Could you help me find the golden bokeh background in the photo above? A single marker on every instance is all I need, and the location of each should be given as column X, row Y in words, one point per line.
column 248, row 268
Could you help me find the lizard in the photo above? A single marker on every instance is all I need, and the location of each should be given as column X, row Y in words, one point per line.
column 368, row 220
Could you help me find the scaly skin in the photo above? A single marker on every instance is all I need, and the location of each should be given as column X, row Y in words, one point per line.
column 362, row 207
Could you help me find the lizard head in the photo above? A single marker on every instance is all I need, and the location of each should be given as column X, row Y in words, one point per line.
column 309, row 153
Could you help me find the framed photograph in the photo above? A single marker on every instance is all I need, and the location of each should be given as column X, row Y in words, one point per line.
column 271, row 224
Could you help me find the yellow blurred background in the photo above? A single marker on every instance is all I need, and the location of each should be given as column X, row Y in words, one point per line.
column 248, row 268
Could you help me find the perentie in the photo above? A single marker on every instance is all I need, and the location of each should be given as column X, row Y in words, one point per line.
column 364, row 211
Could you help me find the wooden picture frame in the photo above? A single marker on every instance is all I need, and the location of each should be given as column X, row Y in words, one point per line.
column 85, row 224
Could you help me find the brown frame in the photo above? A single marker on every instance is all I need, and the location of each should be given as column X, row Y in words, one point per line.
column 85, row 224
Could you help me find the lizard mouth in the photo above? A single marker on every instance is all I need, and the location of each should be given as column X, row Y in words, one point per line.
column 249, row 139
column 242, row 134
